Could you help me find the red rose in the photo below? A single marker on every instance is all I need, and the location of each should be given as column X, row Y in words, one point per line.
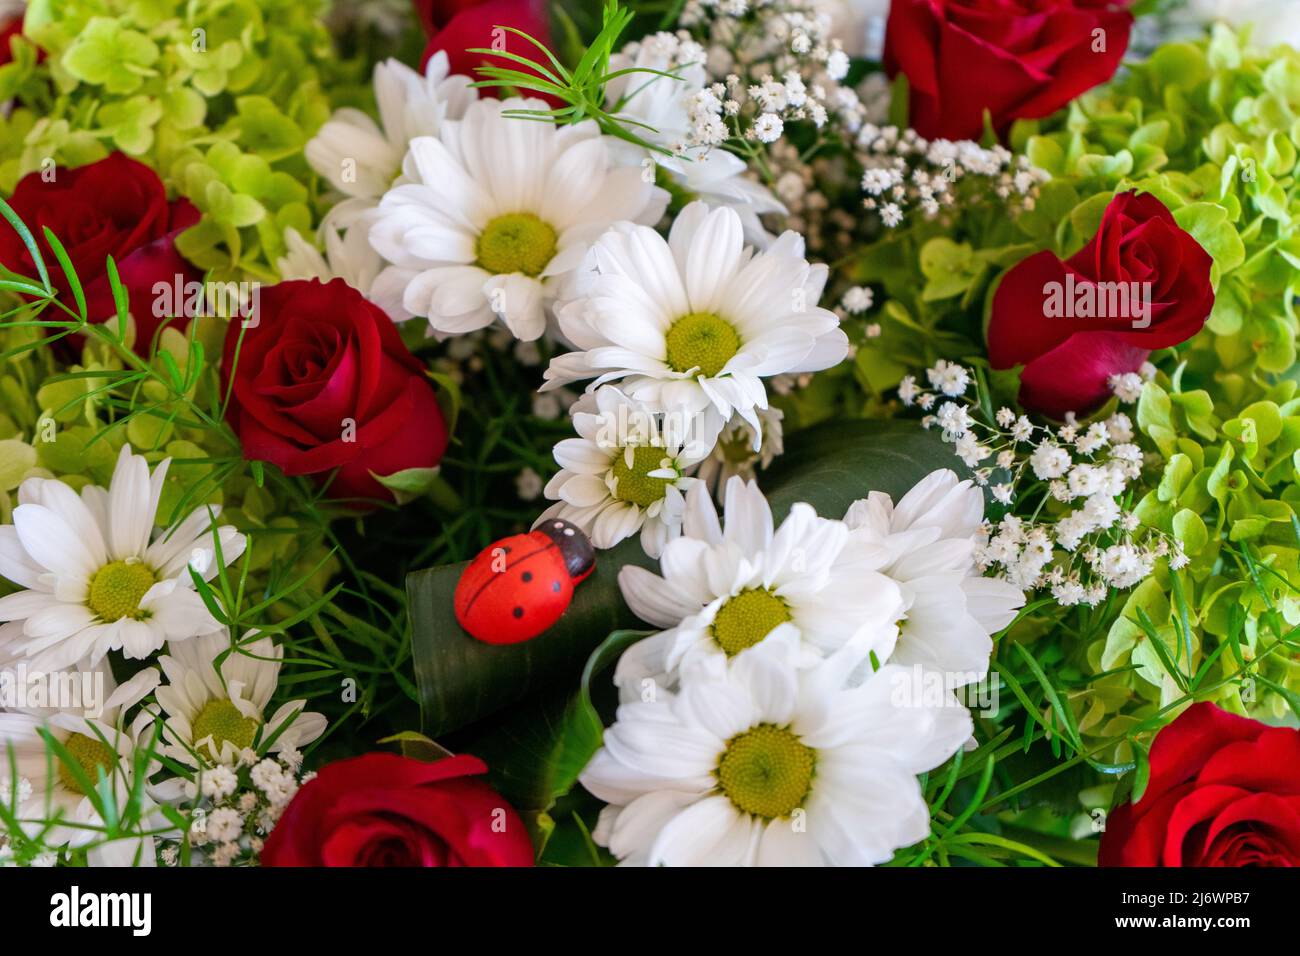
column 116, row 207
column 1018, row 59
column 1142, row 283
column 456, row 26
column 1223, row 791
column 385, row 810
column 8, row 29
column 323, row 381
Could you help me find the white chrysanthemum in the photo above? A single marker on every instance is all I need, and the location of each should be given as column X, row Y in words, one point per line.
column 699, row 319
column 98, row 576
column 219, row 714
column 360, row 157
column 1272, row 21
column 498, row 210
column 660, row 106
column 927, row 544
column 348, row 255
column 758, row 762
column 627, row 470
column 58, row 790
column 725, row 589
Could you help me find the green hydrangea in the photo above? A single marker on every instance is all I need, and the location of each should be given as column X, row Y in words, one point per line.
column 1212, row 129
column 219, row 96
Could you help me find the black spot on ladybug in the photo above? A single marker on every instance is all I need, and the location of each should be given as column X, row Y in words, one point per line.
column 555, row 586
column 506, row 549
column 528, row 576
column 518, row 612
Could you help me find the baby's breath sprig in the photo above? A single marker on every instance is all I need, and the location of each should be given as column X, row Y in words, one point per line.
column 1068, row 527
column 903, row 172
column 237, row 807
column 776, row 63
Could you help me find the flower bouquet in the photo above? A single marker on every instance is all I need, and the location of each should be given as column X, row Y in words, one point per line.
column 649, row 432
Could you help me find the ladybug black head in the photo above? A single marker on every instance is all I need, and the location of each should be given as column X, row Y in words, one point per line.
column 579, row 555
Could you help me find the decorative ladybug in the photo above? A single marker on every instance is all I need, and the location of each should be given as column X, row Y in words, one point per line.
column 519, row 586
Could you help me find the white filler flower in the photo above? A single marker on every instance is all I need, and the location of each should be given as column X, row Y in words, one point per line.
column 494, row 212
column 758, row 762
column 673, row 109
column 97, row 575
column 699, row 319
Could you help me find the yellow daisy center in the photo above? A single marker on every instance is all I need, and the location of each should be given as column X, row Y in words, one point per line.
column 701, row 340
column 634, row 484
column 90, row 753
column 116, row 590
column 222, row 720
column 519, row 242
column 766, row 771
column 747, row 618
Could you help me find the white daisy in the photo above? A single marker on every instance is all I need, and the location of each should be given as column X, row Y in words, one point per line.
column 360, row 157
column 217, row 713
column 660, row 108
column 627, row 470
column 926, row 543
column 497, row 210
column 58, row 809
column 758, row 762
column 725, row 589
column 698, row 319
column 97, row 575
column 348, row 255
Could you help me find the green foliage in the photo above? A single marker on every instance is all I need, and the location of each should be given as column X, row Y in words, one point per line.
column 581, row 89
column 67, row 419
column 219, row 96
column 1211, row 128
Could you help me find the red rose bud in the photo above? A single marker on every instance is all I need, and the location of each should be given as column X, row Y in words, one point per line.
column 116, row 207
column 1017, row 59
column 1223, row 791
column 324, row 384
column 385, row 810
column 1142, row 283
column 457, row 26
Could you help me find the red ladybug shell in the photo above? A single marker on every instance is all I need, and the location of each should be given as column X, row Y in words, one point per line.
column 519, row 586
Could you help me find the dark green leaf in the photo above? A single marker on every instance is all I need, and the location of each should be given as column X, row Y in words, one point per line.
column 536, row 750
